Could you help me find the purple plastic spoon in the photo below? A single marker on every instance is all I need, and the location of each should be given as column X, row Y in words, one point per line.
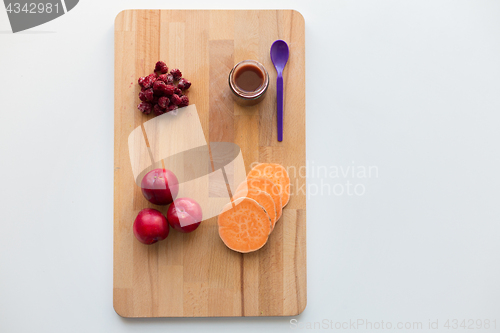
column 279, row 56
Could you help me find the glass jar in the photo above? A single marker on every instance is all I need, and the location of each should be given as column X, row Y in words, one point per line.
column 248, row 81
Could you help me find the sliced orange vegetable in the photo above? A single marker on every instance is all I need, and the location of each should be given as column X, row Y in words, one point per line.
column 265, row 185
column 244, row 225
column 275, row 173
column 264, row 199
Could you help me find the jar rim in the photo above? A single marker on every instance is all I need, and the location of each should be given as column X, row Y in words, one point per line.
column 249, row 94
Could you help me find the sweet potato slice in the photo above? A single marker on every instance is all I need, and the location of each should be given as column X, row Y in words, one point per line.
column 244, row 225
column 264, row 199
column 275, row 173
column 265, row 185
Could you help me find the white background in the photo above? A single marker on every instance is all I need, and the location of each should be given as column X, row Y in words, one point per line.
column 411, row 87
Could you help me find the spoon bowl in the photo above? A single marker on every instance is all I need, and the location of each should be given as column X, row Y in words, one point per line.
column 279, row 55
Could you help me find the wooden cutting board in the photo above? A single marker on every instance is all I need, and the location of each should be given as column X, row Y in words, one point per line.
column 196, row 275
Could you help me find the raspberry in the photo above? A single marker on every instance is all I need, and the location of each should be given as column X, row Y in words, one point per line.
column 142, row 96
column 168, row 89
column 148, row 81
column 158, row 110
column 141, row 81
column 167, row 78
column 176, row 73
column 184, row 84
column 161, row 67
column 163, row 102
column 175, row 99
column 145, row 107
column 177, row 91
column 170, row 79
column 159, row 87
column 148, row 94
column 172, row 107
column 184, row 101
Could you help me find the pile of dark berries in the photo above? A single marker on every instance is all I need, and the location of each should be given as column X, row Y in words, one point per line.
column 162, row 91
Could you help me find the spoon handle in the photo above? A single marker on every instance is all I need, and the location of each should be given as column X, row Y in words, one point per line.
column 279, row 113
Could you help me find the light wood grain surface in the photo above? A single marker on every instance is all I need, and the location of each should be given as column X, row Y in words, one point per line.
column 196, row 275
